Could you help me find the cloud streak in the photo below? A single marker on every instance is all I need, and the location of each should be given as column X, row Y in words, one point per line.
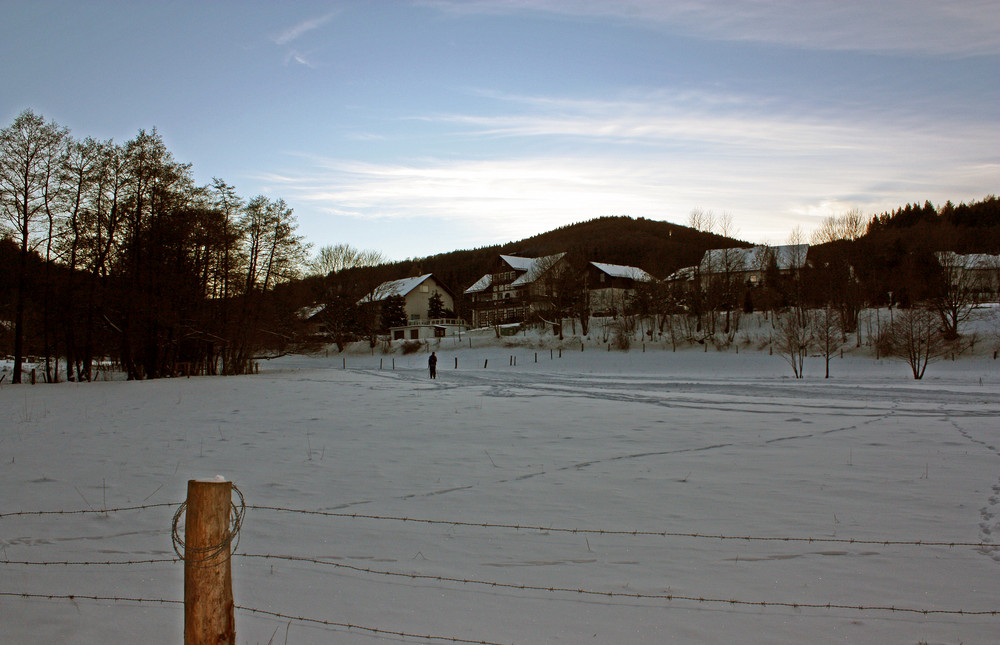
column 296, row 31
column 771, row 172
column 921, row 27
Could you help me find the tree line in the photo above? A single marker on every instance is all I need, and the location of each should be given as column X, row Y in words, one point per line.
column 111, row 252
column 117, row 255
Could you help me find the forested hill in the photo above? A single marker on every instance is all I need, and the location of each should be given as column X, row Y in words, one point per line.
column 661, row 248
column 965, row 228
column 658, row 247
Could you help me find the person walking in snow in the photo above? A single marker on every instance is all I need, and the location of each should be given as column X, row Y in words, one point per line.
column 432, row 364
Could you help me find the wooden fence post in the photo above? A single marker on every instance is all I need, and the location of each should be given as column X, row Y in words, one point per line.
column 208, row 582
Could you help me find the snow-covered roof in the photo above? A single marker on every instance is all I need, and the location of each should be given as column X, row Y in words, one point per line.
column 305, row 313
column 686, row 273
column 518, row 263
column 620, row 271
column 968, row 261
column 788, row 256
column 535, row 267
column 394, row 288
column 482, row 284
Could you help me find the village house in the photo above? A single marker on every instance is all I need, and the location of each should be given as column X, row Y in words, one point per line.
column 514, row 289
column 977, row 273
column 748, row 266
column 418, row 293
column 612, row 286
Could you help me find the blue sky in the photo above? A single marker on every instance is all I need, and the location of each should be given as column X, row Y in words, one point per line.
column 424, row 127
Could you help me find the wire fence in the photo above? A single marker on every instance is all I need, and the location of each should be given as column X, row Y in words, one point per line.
column 668, row 597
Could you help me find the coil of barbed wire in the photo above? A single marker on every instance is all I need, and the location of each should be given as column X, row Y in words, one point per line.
column 230, row 540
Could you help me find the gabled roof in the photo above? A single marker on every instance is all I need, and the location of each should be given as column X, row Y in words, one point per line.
column 686, row 274
column 518, row 263
column 788, row 256
column 535, row 268
column 482, row 284
column 530, row 268
column 395, row 288
column 967, row 261
column 620, row 271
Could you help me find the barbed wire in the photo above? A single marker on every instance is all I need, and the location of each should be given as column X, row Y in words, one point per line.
column 633, row 532
column 47, row 596
column 239, row 511
column 88, row 511
column 523, row 587
column 370, row 630
column 252, row 610
column 88, row 563
column 230, row 539
column 626, row 594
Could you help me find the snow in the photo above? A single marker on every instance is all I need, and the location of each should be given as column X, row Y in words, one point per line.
column 482, row 284
column 392, row 288
column 620, row 271
column 786, row 257
column 687, row 442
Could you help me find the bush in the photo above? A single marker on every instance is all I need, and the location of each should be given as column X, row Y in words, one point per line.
column 412, row 346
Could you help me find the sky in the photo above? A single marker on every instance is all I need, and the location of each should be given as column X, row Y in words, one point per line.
column 426, row 126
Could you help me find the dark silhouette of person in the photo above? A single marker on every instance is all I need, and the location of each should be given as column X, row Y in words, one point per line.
column 432, row 364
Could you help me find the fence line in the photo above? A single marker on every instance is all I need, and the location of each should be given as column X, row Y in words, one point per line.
column 550, row 529
column 624, row 594
column 489, row 584
column 90, row 510
column 521, row 587
column 370, row 630
column 631, row 532
column 89, row 563
column 47, row 596
column 252, row 610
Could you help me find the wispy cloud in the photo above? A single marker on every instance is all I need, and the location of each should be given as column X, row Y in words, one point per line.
column 923, row 27
column 300, row 58
column 771, row 174
column 538, row 162
column 713, row 124
column 293, row 33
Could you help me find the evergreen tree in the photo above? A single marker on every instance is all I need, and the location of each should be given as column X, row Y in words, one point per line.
column 435, row 307
column 393, row 312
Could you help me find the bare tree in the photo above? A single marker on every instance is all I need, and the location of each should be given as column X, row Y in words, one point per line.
column 733, row 261
column 553, row 286
column 272, row 254
column 81, row 168
column 796, row 258
column 336, row 258
column 27, row 149
column 827, row 334
column 914, row 337
column 849, row 226
column 961, row 285
column 369, row 310
column 793, row 337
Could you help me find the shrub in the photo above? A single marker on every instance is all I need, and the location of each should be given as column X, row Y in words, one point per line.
column 412, row 346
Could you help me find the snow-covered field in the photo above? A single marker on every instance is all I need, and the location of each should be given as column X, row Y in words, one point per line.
column 705, row 444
